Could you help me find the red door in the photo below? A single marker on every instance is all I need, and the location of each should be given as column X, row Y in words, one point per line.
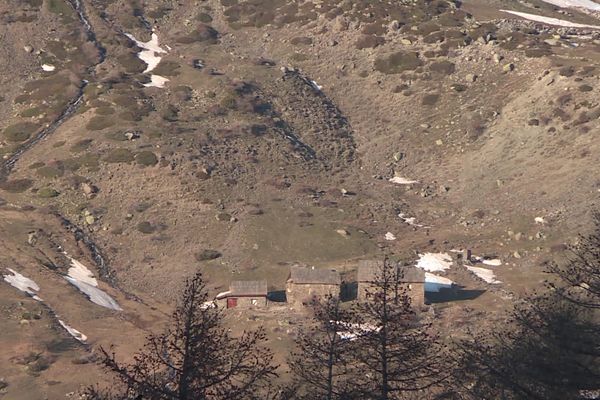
column 231, row 302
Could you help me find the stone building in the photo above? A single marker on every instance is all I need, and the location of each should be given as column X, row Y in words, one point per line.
column 307, row 283
column 244, row 294
column 413, row 280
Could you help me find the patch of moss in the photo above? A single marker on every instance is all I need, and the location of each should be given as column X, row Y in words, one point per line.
column 106, row 110
column 90, row 161
column 31, row 112
column 301, row 40
column 36, row 165
column 146, row 227
column 398, row 62
column 81, row 145
column 204, row 18
column 99, row 122
column 146, row 158
column 50, row 172
column 430, row 99
column 20, row 131
column 119, row 155
column 206, row 255
column 203, row 33
column 16, row 185
column 47, row 193
column 167, row 68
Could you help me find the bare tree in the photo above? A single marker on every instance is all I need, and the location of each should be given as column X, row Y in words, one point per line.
column 322, row 363
column 196, row 358
column 549, row 347
column 397, row 357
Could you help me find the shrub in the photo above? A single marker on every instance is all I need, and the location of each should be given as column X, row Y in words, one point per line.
column 369, row 42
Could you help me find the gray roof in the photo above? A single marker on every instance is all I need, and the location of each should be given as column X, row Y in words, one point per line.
column 368, row 270
column 248, row 288
column 311, row 275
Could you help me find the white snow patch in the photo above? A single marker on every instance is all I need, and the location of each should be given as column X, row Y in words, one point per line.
column 80, row 272
column 150, row 51
column 316, row 86
column 433, row 283
column 494, row 262
column 434, row 261
column 73, row 332
column 550, row 21
column 48, row 67
column 353, row 331
column 485, row 274
column 83, row 279
column 402, row 181
column 157, row 81
column 539, row 220
column 96, row 296
column 222, row 294
column 409, row 220
column 150, row 54
column 586, row 4
column 208, row 304
column 22, row 283
column 390, row 236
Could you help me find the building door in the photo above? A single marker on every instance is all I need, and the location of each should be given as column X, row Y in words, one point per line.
column 231, row 302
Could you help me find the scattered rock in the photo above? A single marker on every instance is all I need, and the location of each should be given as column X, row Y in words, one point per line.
column 394, row 25
column 88, row 189
column 516, row 254
column 508, row 67
column 343, row 232
column 28, row 49
column 471, row 78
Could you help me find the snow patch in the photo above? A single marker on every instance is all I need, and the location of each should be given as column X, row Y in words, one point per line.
column 150, row 54
column 550, row 21
column 540, row 220
column 316, row 86
column 81, row 273
column 73, row 332
column 48, row 67
column 156, row 81
column 433, row 283
column 83, row 279
column 409, row 220
column 402, row 181
column 486, row 274
column 22, row 283
column 586, row 4
column 494, row 262
column 96, row 296
column 434, row 261
column 390, row 236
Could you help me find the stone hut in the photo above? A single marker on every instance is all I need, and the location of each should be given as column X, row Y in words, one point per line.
column 413, row 280
column 307, row 283
column 244, row 294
